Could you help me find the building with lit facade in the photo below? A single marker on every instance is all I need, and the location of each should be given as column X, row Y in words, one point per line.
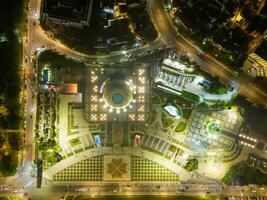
column 256, row 6
column 116, row 94
column 255, row 65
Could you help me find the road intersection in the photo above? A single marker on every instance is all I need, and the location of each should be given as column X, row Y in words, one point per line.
column 36, row 38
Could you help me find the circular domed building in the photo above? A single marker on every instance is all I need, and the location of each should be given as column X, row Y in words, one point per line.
column 116, row 93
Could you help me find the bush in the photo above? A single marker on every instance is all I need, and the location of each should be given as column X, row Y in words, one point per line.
column 180, row 127
column 75, row 141
column 191, row 165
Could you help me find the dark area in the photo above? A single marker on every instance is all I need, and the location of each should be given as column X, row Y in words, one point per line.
column 262, row 50
column 71, row 10
column 10, row 144
column 243, row 174
column 64, row 70
column 78, row 39
column 209, row 25
column 255, row 117
column 143, row 26
column 11, row 18
column 106, row 33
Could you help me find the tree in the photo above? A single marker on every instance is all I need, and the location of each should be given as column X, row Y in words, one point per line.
column 191, row 165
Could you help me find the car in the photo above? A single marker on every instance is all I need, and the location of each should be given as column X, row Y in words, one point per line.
column 205, row 55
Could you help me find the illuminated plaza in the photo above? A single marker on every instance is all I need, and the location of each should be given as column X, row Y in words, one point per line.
column 133, row 99
column 117, row 95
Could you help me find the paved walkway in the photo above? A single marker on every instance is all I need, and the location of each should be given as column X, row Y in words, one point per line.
column 184, row 175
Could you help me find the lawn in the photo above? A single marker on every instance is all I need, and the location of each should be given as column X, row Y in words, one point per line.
column 170, row 98
column 173, row 148
column 180, row 127
column 74, row 142
column 187, row 113
column 190, row 96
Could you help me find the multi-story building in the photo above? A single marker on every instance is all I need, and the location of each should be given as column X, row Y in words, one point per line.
column 255, row 65
column 67, row 12
column 238, row 20
column 256, row 6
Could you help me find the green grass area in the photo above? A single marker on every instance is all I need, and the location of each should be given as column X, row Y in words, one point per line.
column 180, row 127
column 174, row 197
column 70, row 154
column 170, row 98
column 173, row 148
column 213, row 128
column 78, row 151
column 89, row 147
column 180, row 153
column 16, row 198
column 166, row 121
column 186, row 113
column 75, row 141
column 54, row 158
column 190, row 96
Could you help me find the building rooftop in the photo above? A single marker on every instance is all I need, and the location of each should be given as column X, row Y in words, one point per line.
column 71, row 10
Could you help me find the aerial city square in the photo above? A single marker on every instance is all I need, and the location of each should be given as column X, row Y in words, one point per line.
column 133, row 99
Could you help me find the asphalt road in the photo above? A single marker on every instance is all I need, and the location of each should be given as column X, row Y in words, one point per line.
column 36, row 38
column 171, row 37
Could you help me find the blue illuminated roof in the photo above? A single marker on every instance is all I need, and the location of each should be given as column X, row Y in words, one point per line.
column 172, row 110
column 117, row 98
column 97, row 139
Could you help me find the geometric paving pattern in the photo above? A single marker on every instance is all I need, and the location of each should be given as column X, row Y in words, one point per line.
column 116, row 167
column 146, row 170
column 92, row 169
column 229, row 123
column 86, row 170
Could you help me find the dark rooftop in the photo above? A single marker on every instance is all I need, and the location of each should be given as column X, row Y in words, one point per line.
column 262, row 50
column 72, row 10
